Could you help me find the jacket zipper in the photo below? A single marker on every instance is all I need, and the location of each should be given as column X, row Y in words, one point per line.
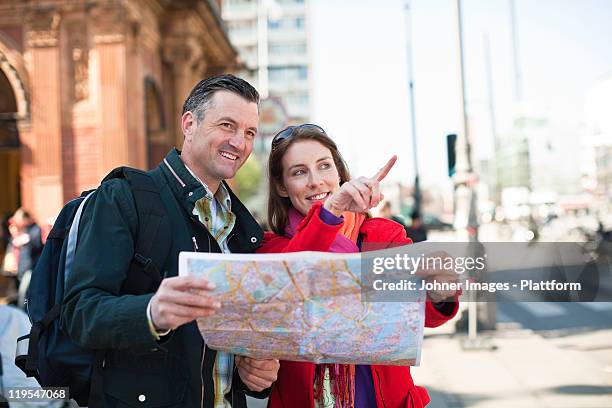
column 195, row 244
column 196, row 249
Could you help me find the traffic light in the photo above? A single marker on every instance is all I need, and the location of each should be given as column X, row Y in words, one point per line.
column 451, row 140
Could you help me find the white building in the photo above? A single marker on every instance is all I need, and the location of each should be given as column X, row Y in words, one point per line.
column 273, row 41
column 598, row 112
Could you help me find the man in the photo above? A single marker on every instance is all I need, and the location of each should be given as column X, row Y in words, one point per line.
column 154, row 354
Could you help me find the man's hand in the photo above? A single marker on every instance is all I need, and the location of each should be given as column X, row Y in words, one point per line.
column 180, row 300
column 257, row 374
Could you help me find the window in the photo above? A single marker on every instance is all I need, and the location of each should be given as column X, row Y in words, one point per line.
column 276, row 48
column 302, row 72
column 287, row 23
column 279, row 74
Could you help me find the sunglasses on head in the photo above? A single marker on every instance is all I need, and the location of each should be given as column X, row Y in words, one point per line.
column 288, row 132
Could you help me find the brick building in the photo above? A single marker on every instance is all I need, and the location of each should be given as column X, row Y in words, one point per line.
column 86, row 86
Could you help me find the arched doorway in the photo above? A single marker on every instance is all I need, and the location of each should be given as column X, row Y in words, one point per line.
column 10, row 164
column 10, row 161
column 14, row 108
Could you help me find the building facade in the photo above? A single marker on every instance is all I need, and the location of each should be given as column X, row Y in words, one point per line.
column 88, row 86
column 272, row 38
column 598, row 111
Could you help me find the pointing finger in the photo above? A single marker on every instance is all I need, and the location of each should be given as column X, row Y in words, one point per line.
column 382, row 173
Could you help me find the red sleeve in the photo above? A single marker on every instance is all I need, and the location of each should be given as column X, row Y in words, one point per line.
column 435, row 318
column 312, row 235
column 381, row 233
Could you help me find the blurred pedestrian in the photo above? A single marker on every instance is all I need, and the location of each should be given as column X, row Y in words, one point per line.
column 9, row 263
column 386, row 211
column 416, row 231
column 22, row 253
column 13, row 324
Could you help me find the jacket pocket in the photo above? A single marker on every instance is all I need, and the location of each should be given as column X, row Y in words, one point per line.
column 153, row 381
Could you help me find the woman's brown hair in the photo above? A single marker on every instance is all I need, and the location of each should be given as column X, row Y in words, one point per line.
column 278, row 206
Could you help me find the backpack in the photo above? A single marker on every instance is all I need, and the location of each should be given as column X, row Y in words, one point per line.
column 51, row 357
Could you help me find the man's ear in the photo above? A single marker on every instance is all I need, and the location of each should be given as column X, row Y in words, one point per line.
column 282, row 191
column 188, row 123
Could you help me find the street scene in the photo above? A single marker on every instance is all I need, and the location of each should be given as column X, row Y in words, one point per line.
column 133, row 130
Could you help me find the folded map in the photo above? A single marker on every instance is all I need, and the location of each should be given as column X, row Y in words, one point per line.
column 304, row 306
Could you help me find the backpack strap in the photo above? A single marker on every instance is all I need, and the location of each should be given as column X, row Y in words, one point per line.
column 153, row 242
column 73, row 234
column 31, row 364
column 153, row 238
column 28, row 362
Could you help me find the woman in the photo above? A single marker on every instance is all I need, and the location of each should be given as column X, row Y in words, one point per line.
column 315, row 206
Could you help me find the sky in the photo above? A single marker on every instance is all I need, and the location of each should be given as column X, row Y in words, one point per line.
column 360, row 69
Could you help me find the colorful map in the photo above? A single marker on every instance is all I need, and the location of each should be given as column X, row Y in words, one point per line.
column 304, row 306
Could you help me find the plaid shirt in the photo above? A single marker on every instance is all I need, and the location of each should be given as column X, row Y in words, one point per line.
column 214, row 211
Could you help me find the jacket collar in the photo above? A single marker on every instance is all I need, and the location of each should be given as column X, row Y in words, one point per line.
column 247, row 234
column 183, row 184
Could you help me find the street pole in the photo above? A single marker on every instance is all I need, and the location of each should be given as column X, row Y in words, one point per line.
column 466, row 212
column 466, row 217
column 518, row 83
column 491, row 305
column 494, row 174
column 417, row 186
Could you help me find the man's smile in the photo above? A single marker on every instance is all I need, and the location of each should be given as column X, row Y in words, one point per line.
column 228, row 155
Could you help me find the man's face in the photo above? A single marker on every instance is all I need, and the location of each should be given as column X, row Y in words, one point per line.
column 219, row 145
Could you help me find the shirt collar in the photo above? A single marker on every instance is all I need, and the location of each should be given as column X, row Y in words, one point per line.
column 222, row 195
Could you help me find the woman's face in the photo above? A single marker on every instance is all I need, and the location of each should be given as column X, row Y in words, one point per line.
column 309, row 174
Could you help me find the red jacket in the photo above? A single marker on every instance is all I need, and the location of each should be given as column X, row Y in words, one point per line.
column 393, row 385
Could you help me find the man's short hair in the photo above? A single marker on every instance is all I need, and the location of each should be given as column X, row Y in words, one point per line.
column 200, row 97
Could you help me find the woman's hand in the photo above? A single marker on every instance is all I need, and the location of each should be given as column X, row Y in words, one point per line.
column 445, row 280
column 360, row 194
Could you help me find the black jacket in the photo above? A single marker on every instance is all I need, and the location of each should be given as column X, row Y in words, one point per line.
column 98, row 315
